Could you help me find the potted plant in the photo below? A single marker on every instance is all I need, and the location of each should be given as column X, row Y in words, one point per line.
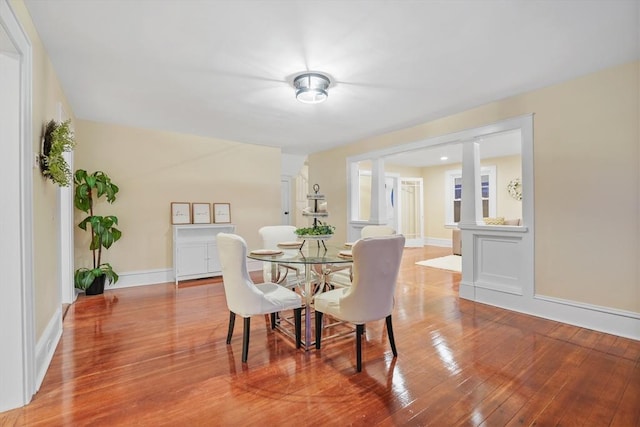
column 89, row 188
column 58, row 138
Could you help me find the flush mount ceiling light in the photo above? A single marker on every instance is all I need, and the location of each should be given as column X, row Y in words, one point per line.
column 311, row 88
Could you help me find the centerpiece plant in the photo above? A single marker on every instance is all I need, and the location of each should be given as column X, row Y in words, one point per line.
column 318, row 229
column 89, row 189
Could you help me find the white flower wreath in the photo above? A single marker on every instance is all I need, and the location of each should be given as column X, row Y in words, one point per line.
column 515, row 188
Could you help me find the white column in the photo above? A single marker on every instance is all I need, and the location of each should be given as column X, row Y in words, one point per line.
column 378, row 205
column 470, row 214
column 471, row 204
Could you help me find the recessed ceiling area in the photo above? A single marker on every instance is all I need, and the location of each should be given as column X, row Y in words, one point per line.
column 225, row 69
column 497, row 145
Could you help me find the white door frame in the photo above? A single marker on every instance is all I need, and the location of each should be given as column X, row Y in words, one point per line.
column 17, row 334
column 391, row 199
column 65, row 229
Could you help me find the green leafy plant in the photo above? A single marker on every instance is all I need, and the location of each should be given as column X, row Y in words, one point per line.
column 316, row 230
column 58, row 138
column 89, row 188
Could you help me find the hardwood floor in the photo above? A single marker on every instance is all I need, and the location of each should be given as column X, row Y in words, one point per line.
column 156, row 356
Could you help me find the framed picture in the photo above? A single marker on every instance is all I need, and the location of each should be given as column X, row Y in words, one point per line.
column 180, row 213
column 221, row 213
column 201, row 213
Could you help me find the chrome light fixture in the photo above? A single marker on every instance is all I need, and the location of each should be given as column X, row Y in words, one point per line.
column 311, row 88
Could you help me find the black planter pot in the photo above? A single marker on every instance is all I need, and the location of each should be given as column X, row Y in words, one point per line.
column 97, row 287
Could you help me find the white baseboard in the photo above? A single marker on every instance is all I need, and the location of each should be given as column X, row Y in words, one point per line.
column 603, row 319
column 467, row 290
column 153, row 277
column 46, row 346
column 143, row 277
column 434, row 241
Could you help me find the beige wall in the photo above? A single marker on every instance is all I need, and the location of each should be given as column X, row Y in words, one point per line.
column 46, row 94
column 403, row 171
column 507, row 168
column 587, row 184
column 155, row 168
column 434, row 199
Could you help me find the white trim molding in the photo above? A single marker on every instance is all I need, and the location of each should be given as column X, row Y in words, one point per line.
column 436, row 241
column 604, row 319
column 46, row 346
column 17, row 359
column 143, row 278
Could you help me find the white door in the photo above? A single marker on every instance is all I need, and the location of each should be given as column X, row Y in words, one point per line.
column 285, row 201
column 411, row 211
column 391, row 191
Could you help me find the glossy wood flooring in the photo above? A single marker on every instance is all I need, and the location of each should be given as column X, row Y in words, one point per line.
column 156, row 356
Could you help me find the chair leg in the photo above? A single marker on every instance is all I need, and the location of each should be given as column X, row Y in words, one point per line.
column 359, row 331
column 245, row 339
column 273, row 320
column 232, row 322
column 391, row 340
column 297, row 313
column 318, row 328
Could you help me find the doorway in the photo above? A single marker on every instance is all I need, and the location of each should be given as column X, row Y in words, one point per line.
column 411, row 207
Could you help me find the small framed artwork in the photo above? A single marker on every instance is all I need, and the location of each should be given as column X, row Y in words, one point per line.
column 180, row 213
column 201, row 213
column 221, row 213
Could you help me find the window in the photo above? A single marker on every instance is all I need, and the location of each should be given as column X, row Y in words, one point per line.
column 453, row 194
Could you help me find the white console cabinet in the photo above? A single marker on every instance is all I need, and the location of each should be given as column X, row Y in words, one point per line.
column 195, row 252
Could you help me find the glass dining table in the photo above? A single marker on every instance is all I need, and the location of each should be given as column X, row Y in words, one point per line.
column 319, row 261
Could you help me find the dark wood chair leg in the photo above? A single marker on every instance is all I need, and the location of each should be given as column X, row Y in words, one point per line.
column 245, row 339
column 273, row 320
column 297, row 313
column 318, row 328
column 359, row 331
column 232, row 322
column 391, row 340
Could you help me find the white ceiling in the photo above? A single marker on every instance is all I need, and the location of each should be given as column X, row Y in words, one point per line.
column 223, row 69
column 501, row 144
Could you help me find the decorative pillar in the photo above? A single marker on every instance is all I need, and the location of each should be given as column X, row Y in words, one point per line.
column 378, row 205
column 471, row 204
column 470, row 214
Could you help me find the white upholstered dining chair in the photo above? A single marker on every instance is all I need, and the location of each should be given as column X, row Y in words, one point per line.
column 376, row 262
column 343, row 276
column 246, row 299
column 287, row 275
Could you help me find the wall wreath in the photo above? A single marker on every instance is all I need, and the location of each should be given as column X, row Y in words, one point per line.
column 514, row 187
column 57, row 138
